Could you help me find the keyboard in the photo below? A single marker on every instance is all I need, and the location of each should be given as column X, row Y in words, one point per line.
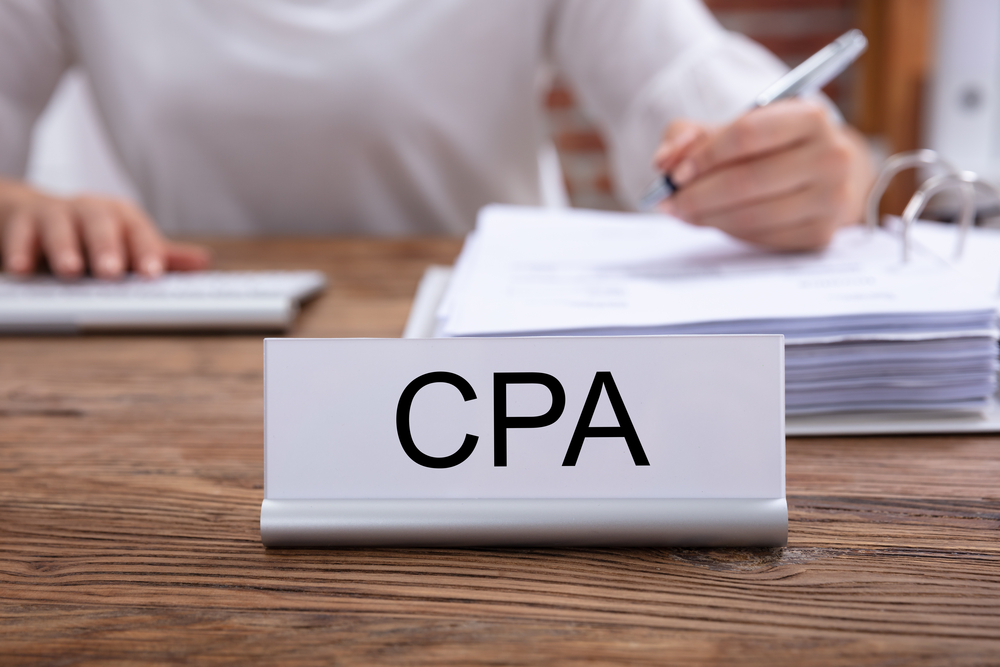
column 205, row 301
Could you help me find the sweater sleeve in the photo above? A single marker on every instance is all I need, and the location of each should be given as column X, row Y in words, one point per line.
column 637, row 65
column 33, row 56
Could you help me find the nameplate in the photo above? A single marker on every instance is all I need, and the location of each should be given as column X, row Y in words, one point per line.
column 657, row 440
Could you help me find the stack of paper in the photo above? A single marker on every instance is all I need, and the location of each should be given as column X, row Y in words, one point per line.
column 864, row 331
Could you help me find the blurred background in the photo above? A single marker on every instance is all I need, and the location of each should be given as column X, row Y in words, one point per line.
column 930, row 78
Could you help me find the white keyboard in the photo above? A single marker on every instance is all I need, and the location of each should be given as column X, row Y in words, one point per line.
column 210, row 300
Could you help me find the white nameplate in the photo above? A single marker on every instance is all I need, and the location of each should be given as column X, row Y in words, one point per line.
column 659, row 440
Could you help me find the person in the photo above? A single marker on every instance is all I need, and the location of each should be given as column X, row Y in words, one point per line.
column 398, row 117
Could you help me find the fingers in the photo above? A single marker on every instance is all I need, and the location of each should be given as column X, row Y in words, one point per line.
column 678, row 140
column 106, row 235
column 102, row 237
column 808, row 234
column 187, row 257
column 20, row 244
column 146, row 247
column 766, row 130
column 739, row 184
column 152, row 254
column 801, row 220
column 60, row 242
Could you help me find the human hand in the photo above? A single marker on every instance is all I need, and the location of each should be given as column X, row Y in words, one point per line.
column 785, row 176
column 110, row 236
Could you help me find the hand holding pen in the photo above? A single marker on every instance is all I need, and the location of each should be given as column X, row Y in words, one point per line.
column 784, row 175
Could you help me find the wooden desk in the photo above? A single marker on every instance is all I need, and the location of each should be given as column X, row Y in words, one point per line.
column 130, row 488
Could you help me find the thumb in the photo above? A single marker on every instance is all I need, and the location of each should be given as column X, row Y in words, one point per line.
column 187, row 257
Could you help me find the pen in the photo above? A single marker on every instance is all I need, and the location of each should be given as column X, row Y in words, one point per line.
column 806, row 79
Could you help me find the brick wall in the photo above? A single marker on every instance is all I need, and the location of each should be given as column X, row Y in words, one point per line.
column 792, row 29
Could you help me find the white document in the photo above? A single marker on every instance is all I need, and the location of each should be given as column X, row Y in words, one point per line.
column 980, row 258
column 539, row 270
column 692, row 418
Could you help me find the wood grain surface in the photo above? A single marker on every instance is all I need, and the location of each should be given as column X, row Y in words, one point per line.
column 130, row 487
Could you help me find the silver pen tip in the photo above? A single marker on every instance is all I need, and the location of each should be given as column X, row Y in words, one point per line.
column 657, row 191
